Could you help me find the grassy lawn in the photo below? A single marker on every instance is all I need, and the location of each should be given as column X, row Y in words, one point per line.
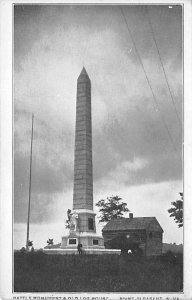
column 38, row 272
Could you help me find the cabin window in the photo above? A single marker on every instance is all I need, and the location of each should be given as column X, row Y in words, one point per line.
column 150, row 235
column 90, row 223
column 95, row 242
column 72, row 241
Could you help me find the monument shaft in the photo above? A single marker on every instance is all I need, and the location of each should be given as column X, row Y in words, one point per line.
column 83, row 177
column 82, row 219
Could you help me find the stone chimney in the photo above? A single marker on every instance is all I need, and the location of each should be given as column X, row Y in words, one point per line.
column 130, row 215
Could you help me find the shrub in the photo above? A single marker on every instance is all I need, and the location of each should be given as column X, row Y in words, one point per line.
column 124, row 243
column 23, row 250
column 169, row 257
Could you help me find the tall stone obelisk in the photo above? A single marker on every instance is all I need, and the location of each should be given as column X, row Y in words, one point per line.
column 83, row 178
column 82, row 220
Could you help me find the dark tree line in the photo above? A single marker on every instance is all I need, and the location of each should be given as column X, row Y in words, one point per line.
column 177, row 211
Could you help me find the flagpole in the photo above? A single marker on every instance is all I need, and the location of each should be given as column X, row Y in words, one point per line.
column 28, row 218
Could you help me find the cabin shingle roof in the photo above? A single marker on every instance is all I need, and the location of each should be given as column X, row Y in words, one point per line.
column 130, row 223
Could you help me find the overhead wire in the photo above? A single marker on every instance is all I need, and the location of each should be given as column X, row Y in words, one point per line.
column 154, row 97
column 161, row 61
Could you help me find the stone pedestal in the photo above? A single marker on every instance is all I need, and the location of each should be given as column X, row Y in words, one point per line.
column 85, row 233
column 89, row 241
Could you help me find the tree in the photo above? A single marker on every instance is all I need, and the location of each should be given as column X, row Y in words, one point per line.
column 23, row 250
column 177, row 211
column 111, row 208
column 30, row 243
column 50, row 242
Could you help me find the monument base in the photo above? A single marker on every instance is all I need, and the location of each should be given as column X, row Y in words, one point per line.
column 88, row 241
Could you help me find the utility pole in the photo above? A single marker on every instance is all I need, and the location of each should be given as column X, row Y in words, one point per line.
column 28, row 218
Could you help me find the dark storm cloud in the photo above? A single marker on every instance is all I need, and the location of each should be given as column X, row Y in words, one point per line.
column 46, row 182
column 26, row 30
column 50, row 173
column 40, row 208
column 45, row 177
column 130, row 141
column 169, row 38
column 37, row 19
column 139, row 133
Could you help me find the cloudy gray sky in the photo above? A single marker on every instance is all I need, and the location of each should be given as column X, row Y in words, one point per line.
column 137, row 143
